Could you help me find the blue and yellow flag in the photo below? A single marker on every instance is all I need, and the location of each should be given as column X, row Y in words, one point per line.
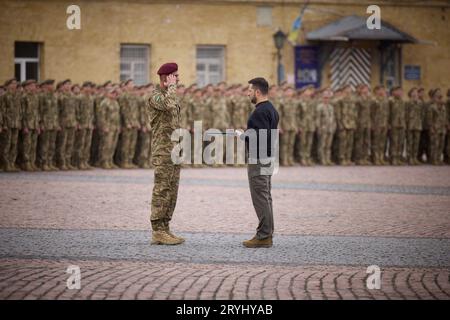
column 296, row 25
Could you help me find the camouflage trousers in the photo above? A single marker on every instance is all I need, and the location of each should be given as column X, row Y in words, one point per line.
column 345, row 145
column 107, row 143
column 396, row 144
column 46, row 147
column 82, row 147
column 143, row 151
column 127, row 146
column 306, row 141
column 437, row 140
column 9, row 147
column 378, row 144
column 325, row 139
column 361, row 146
column 64, row 147
column 412, row 144
column 27, row 147
column 287, row 141
column 424, row 145
column 164, row 196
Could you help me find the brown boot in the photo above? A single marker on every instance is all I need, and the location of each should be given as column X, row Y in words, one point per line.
column 257, row 243
column 161, row 237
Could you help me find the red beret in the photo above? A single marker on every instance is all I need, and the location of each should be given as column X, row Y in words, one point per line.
column 168, row 68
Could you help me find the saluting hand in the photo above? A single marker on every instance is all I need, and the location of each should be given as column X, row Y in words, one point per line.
column 171, row 79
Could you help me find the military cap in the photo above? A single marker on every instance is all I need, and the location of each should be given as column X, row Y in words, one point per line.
column 395, row 88
column 8, row 82
column 65, row 81
column 106, row 83
column 434, row 91
column 28, row 82
column 411, row 91
column 86, row 84
column 48, row 81
column 127, row 81
column 167, row 68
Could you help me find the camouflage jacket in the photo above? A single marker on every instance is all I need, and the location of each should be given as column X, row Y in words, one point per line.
column 11, row 110
column 362, row 105
column 326, row 121
column 108, row 114
column 346, row 113
column 144, row 114
column 220, row 116
column 413, row 115
column 67, row 109
column 48, row 111
column 379, row 113
column 85, row 112
column 30, row 111
column 306, row 116
column 164, row 119
column 437, row 117
column 129, row 110
column 288, row 114
column 397, row 113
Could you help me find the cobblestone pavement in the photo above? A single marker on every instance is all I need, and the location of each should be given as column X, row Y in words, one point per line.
column 331, row 224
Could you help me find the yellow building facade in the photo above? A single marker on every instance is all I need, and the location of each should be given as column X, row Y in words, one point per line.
column 184, row 31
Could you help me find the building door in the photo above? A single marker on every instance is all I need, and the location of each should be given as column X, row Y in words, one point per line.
column 26, row 61
column 350, row 66
column 210, row 65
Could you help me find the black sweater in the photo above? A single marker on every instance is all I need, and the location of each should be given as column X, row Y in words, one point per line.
column 265, row 116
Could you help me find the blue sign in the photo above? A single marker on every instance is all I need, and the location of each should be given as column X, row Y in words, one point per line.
column 412, row 72
column 306, row 66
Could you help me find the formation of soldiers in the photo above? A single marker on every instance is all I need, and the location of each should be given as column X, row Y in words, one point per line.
column 67, row 126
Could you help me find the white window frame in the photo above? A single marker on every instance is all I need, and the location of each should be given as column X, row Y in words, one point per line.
column 131, row 74
column 23, row 61
column 210, row 61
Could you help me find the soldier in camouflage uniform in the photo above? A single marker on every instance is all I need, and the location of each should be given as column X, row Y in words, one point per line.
column 164, row 118
column 49, row 125
column 30, row 126
column 145, row 132
column 288, row 110
column 85, row 119
column 345, row 113
column 379, row 116
column 326, row 126
column 436, row 120
column 12, row 116
column 397, row 124
column 129, row 113
column 447, row 143
column 362, row 132
column 220, row 120
column 108, row 126
column 196, row 108
column 306, row 125
column 67, row 108
column 413, row 126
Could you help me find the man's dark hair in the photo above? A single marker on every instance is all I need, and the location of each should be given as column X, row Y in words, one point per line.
column 260, row 84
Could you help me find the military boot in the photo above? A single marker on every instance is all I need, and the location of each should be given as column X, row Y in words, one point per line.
column 167, row 230
column 161, row 237
column 27, row 166
column 258, row 243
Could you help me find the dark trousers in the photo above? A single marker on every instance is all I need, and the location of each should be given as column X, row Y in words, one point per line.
column 260, row 189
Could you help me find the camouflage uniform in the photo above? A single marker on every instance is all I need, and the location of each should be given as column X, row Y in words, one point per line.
column 220, row 120
column 48, row 114
column 108, row 126
column 362, row 132
column 164, row 118
column 30, row 121
column 129, row 113
column 196, row 108
column 288, row 115
column 437, row 126
column 413, row 127
column 379, row 116
column 346, row 124
column 145, row 135
column 397, row 123
column 12, row 123
column 83, row 136
column 326, row 126
column 67, row 106
column 307, row 125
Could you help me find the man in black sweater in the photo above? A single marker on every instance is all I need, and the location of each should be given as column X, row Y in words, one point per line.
column 262, row 159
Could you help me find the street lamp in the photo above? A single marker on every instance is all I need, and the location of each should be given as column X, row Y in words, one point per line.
column 279, row 37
